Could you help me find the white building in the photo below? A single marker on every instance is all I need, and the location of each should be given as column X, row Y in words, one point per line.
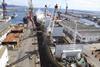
column 89, row 36
column 3, row 56
column 85, row 33
column 67, row 50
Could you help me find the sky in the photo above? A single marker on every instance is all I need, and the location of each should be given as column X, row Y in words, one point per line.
column 93, row 5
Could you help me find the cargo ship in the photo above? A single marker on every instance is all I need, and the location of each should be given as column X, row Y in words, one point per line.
column 51, row 40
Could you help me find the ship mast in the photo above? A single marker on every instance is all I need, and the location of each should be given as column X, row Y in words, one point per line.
column 4, row 9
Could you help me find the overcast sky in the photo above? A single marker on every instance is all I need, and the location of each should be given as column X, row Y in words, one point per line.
column 93, row 5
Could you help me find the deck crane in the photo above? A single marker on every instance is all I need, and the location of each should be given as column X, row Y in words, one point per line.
column 51, row 25
column 30, row 12
column 30, row 9
column 52, row 21
column 30, row 15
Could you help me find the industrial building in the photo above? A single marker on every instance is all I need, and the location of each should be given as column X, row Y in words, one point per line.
column 84, row 32
column 89, row 36
column 68, row 50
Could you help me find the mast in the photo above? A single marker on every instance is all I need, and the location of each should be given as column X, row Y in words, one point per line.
column 4, row 9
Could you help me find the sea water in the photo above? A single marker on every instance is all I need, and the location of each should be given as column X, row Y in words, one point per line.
column 21, row 11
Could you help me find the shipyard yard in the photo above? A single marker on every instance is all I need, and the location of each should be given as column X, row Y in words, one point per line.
column 48, row 37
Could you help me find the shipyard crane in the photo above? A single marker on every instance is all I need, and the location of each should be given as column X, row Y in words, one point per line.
column 4, row 9
column 55, row 17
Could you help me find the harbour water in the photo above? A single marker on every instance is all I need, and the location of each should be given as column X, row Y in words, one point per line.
column 21, row 12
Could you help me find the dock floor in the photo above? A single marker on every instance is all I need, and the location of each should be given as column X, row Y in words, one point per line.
column 27, row 54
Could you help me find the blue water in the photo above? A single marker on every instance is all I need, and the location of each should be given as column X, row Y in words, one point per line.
column 20, row 11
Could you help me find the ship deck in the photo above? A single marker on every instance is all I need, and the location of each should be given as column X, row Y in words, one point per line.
column 27, row 54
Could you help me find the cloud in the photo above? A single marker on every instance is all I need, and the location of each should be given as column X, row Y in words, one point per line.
column 73, row 4
column 84, row 4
